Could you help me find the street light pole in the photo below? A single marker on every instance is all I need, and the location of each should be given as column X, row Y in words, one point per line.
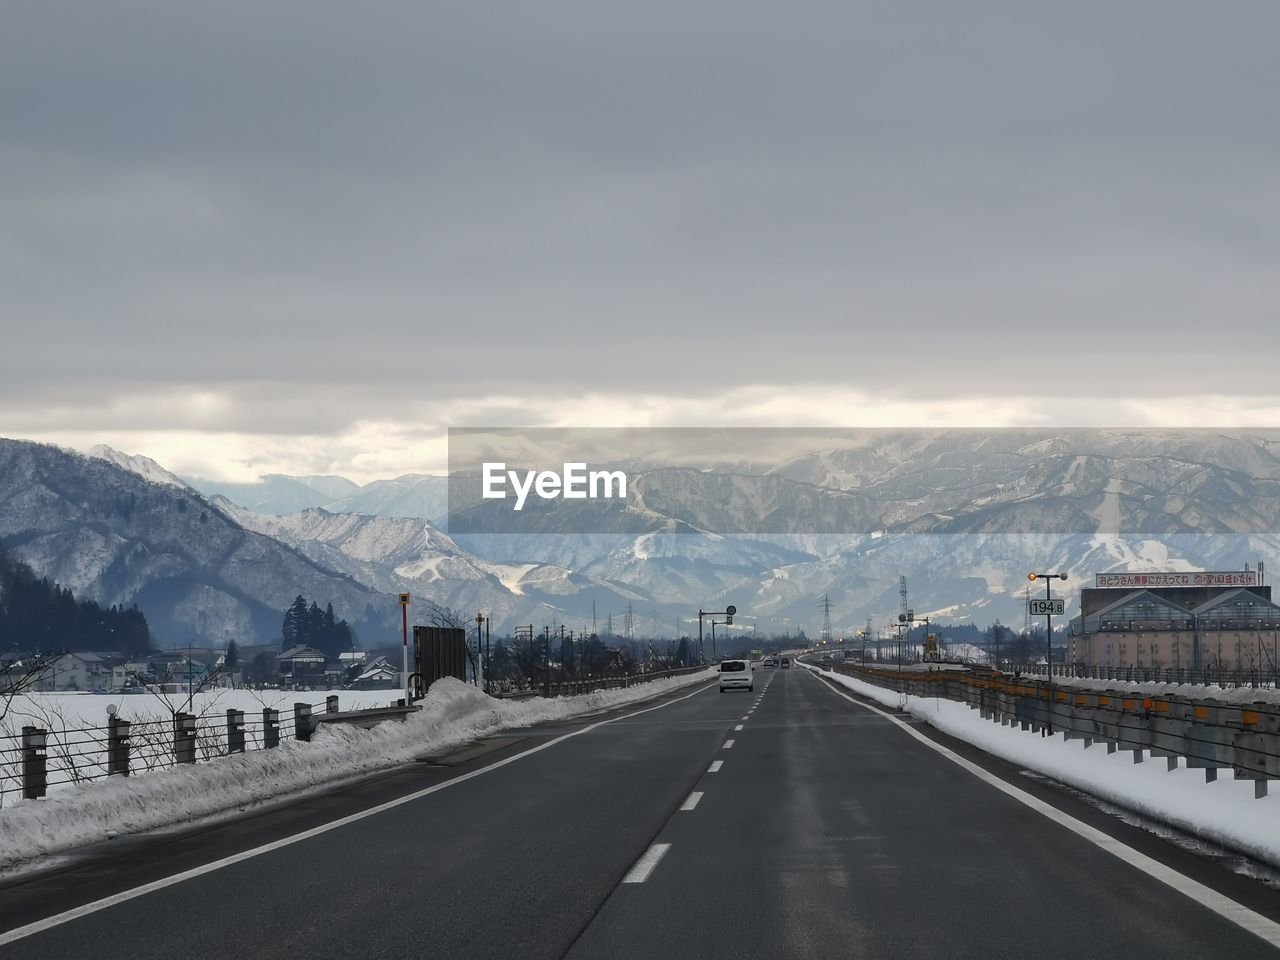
column 1048, row 640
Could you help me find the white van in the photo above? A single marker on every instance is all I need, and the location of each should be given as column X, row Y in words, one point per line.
column 736, row 675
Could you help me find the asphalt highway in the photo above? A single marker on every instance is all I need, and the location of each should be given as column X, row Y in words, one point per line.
column 789, row 822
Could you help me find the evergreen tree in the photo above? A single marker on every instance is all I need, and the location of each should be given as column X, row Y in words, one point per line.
column 291, row 630
column 38, row 615
column 232, row 658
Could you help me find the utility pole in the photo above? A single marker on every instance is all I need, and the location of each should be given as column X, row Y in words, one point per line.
column 546, row 662
column 826, row 618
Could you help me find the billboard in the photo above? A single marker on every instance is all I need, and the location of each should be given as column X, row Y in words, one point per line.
column 1197, row 578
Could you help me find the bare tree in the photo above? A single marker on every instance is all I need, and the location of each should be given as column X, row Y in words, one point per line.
column 20, row 676
column 154, row 684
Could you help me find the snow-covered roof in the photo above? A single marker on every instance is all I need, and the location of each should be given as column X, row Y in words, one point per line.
column 301, row 652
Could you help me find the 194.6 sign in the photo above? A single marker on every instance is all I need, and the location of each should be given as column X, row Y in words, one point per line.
column 1041, row 607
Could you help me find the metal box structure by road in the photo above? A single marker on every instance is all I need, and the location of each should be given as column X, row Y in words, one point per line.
column 440, row 652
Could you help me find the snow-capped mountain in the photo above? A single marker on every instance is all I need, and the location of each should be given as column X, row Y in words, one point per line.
column 144, row 467
column 413, row 495
column 109, row 535
column 395, row 554
column 963, row 514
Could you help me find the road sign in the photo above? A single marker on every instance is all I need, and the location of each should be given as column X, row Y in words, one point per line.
column 728, row 618
column 404, row 599
column 1042, row 606
column 730, row 610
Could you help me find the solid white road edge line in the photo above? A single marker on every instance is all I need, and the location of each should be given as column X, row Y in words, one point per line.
column 1237, row 913
column 644, row 866
column 715, row 766
column 19, row 933
column 692, row 802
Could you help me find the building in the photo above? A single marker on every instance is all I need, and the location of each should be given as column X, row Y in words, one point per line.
column 1198, row 620
column 380, row 675
column 301, row 666
column 79, row 671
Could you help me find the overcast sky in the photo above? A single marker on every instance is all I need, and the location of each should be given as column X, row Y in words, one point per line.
column 311, row 236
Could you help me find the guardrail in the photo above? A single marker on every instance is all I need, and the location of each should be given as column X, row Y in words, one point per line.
column 41, row 757
column 1262, row 677
column 573, row 688
column 1207, row 733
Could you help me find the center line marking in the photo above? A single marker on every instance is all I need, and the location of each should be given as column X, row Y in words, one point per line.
column 692, row 801
column 737, row 728
column 715, row 766
column 644, row 866
column 728, row 744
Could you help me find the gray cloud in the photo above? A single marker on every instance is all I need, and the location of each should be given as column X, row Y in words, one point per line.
column 658, row 197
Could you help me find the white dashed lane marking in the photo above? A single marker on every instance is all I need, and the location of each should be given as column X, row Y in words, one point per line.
column 646, row 864
column 692, row 802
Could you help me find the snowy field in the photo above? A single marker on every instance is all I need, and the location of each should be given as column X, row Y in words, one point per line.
column 77, row 726
column 452, row 714
column 1223, row 812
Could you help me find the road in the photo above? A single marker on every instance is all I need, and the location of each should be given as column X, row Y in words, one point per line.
column 791, row 822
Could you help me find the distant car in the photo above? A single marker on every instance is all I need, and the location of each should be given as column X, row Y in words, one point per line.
column 736, row 675
column 786, row 662
column 769, row 663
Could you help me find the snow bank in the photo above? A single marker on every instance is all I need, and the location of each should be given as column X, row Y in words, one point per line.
column 1224, row 812
column 452, row 714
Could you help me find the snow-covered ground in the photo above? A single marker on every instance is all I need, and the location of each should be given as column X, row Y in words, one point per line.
column 1223, row 812
column 76, row 723
column 452, row 714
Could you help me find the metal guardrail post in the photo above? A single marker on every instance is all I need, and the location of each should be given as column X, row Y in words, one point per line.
column 331, row 704
column 184, row 738
column 235, row 731
column 117, row 747
column 1194, row 732
column 302, row 721
column 270, row 728
column 34, row 762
